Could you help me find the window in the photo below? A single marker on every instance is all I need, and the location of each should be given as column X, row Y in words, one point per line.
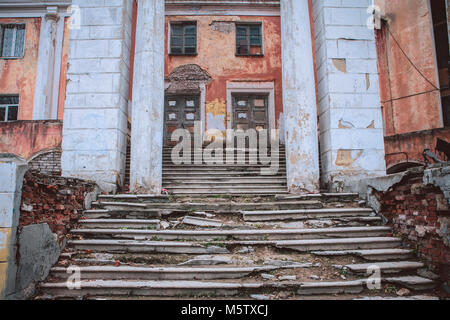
column 12, row 40
column 249, row 39
column 9, row 108
column 183, row 38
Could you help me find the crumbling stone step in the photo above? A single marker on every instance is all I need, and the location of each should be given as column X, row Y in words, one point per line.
column 224, row 181
column 413, row 282
column 219, row 186
column 371, row 255
column 147, row 197
column 304, row 214
column 145, row 247
column 386, row 267
column 162, row 273
column 339, row 244
column 325, row 196
column 119, row 223
column 168, row 288
column 266, row 188
column 225, row 166
column 234, row 161
column 225, row 191
column 123, row 214
column 216, row 174
column 410, row 298
column 273, row 234
column 340, row 287
column 219, row 207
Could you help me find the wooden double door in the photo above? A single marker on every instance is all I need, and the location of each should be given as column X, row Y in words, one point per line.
column 180, row 112
column 250, row 111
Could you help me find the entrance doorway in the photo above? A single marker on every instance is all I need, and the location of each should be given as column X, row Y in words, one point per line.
column 180, row 112
column 250, row 111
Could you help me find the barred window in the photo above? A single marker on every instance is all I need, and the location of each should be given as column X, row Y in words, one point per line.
column 249, row 41
column 12, row 40
column 9, row 108
column 183, row 38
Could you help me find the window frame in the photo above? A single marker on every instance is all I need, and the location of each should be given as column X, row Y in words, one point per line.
column 16, row 26
column 183, row 24
column 8, row 106
column 249, row 24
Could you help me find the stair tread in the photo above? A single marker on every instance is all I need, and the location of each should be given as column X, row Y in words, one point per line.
column 143, row 221
column 386, row 265
column 337, row 240
column 189, row 284
column 337, row 210
column 412, row 280
column 234, row 232
column 363, row 252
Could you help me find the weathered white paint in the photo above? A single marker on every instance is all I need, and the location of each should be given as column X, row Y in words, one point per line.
column 351, row 129
column 299, row 98
column 49, row 66
column 148, row 99
column 95, row 114
column 12, row 170
column 222, row 8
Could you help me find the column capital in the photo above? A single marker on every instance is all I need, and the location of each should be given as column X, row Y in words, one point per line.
column 52, row 13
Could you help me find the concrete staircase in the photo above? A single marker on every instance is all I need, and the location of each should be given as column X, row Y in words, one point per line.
column 277, row 247
column 241, row 177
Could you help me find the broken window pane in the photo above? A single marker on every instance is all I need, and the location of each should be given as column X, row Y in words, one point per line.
column 9, row 108
column 13, row 112
column 259, row 102
column 249, row 39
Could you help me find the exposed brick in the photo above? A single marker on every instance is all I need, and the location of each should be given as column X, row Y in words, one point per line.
column 60, row 211
column 414, row 211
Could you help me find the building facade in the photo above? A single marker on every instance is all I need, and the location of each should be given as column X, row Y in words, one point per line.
column 83, row 89
column 414, row 79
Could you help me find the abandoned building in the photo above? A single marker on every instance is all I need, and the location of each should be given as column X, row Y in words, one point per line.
column 91, row 93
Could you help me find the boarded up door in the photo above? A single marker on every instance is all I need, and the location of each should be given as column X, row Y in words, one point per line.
column 180, row 112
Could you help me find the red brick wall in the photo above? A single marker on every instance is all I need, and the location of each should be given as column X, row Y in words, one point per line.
column 56, row 201
column 419, row 214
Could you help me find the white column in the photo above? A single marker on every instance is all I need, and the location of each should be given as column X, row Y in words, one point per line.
column 351, row 126
column 148, row 99
column 299, row 98
column 45, row 101
column 95, row 111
